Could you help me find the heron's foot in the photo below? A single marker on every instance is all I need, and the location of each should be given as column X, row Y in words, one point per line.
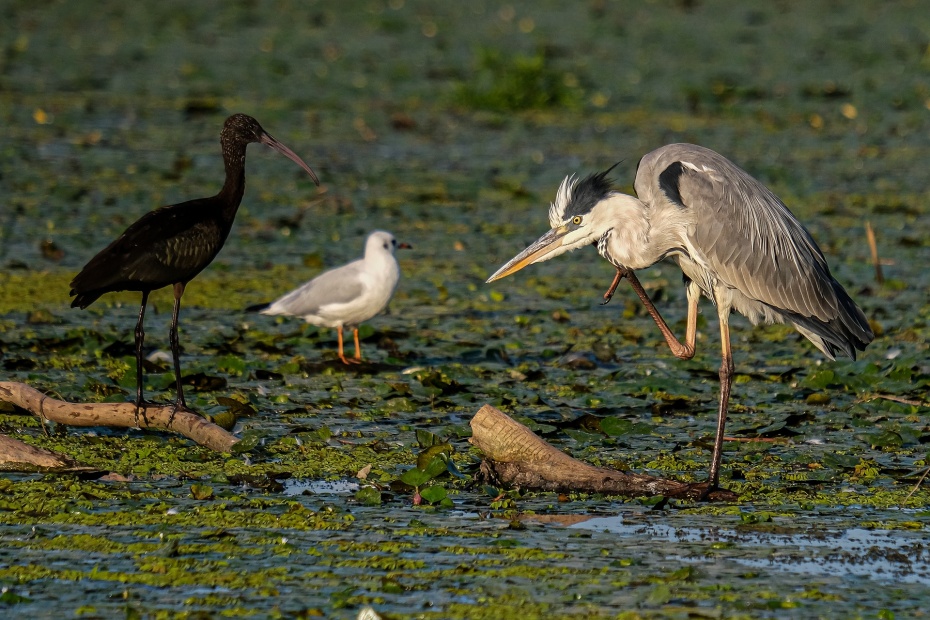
column 707, row 492
column 613, row 287
column 348, row 361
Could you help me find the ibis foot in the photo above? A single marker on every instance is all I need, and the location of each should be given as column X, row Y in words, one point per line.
column 141, row 406
column 179, row 406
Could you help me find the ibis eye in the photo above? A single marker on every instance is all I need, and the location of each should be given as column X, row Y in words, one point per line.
column 576, row 220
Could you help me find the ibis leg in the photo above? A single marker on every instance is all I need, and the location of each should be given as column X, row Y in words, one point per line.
column 726, row 382
column 176, row 349
column 140, row 338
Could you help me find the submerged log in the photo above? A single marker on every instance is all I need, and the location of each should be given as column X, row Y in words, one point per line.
column 515, row 456
column 120, row 415
column 18, row 456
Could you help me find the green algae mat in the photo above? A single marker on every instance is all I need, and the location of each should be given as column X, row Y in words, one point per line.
column 451, row 126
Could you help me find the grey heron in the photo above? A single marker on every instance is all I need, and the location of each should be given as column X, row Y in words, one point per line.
column 734, row 240
column 348, row 295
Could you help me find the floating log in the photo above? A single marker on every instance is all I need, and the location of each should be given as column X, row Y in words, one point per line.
column 516, row 457
column 119, row 415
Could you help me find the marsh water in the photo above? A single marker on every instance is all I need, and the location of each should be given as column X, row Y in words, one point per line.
column 452, row 126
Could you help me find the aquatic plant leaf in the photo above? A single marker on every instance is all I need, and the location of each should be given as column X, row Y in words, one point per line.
column 400, row 405
column 581, row 436
column 250, row 440
column 426, row 458
column 885, row 439
column 820, row 379
column 237, row 407
column 201, row 491
column 415, row 477
column 835, row 460
column 437, row 465
column 433, row 494
column 8, row 597
column 369, row 496
column 616, row 427
column 427, row 439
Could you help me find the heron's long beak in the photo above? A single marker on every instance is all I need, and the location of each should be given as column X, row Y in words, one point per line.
column 543, row 246
column 273, row 143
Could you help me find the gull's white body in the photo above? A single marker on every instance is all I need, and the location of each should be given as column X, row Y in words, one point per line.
column 349, row 295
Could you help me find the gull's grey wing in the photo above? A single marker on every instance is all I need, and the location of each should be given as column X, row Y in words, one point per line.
column 338, row 286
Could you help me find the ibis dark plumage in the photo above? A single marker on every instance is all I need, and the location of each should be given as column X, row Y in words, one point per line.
column 171, row 245
column 734, row 240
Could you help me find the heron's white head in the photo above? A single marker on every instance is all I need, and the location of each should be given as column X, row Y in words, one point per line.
column 579, row 216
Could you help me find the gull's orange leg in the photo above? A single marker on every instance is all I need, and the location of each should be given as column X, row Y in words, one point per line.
column 358, row 349
column 342, row 354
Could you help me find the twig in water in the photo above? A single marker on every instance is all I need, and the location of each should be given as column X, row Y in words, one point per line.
column 917, row 486
column 873, row 248
column 904, row 401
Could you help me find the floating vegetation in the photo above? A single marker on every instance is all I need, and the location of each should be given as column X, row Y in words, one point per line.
column 451, row 124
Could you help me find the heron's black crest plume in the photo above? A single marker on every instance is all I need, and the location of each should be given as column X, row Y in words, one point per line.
column 579, row 197
column 257, row 307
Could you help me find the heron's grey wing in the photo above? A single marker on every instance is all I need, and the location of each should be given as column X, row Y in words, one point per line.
column 338, row 286
column 750, row 239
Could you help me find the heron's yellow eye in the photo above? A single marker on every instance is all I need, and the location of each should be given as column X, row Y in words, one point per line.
column 576, row 220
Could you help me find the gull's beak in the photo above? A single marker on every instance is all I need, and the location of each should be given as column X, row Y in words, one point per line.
column 543, row 246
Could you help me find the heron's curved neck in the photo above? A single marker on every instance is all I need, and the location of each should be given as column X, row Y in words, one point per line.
column 629, row 243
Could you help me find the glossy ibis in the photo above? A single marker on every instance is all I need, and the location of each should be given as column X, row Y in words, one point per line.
column 733, row 239
column 348, row 295
column 171, row 245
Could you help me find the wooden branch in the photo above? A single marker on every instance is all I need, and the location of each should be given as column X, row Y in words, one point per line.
column 18, row 456
column 120, row 415
column 515, row 456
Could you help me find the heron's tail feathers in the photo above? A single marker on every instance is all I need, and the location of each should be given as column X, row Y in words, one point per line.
column 846, row 333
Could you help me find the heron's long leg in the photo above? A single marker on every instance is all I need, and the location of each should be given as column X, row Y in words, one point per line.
column 176, row 349
column 358, row 349
column 613, row 286
column 682, row 351
column 140, row 338
column 726, row 382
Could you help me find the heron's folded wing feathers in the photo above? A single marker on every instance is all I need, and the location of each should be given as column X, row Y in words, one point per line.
column 753, row 243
